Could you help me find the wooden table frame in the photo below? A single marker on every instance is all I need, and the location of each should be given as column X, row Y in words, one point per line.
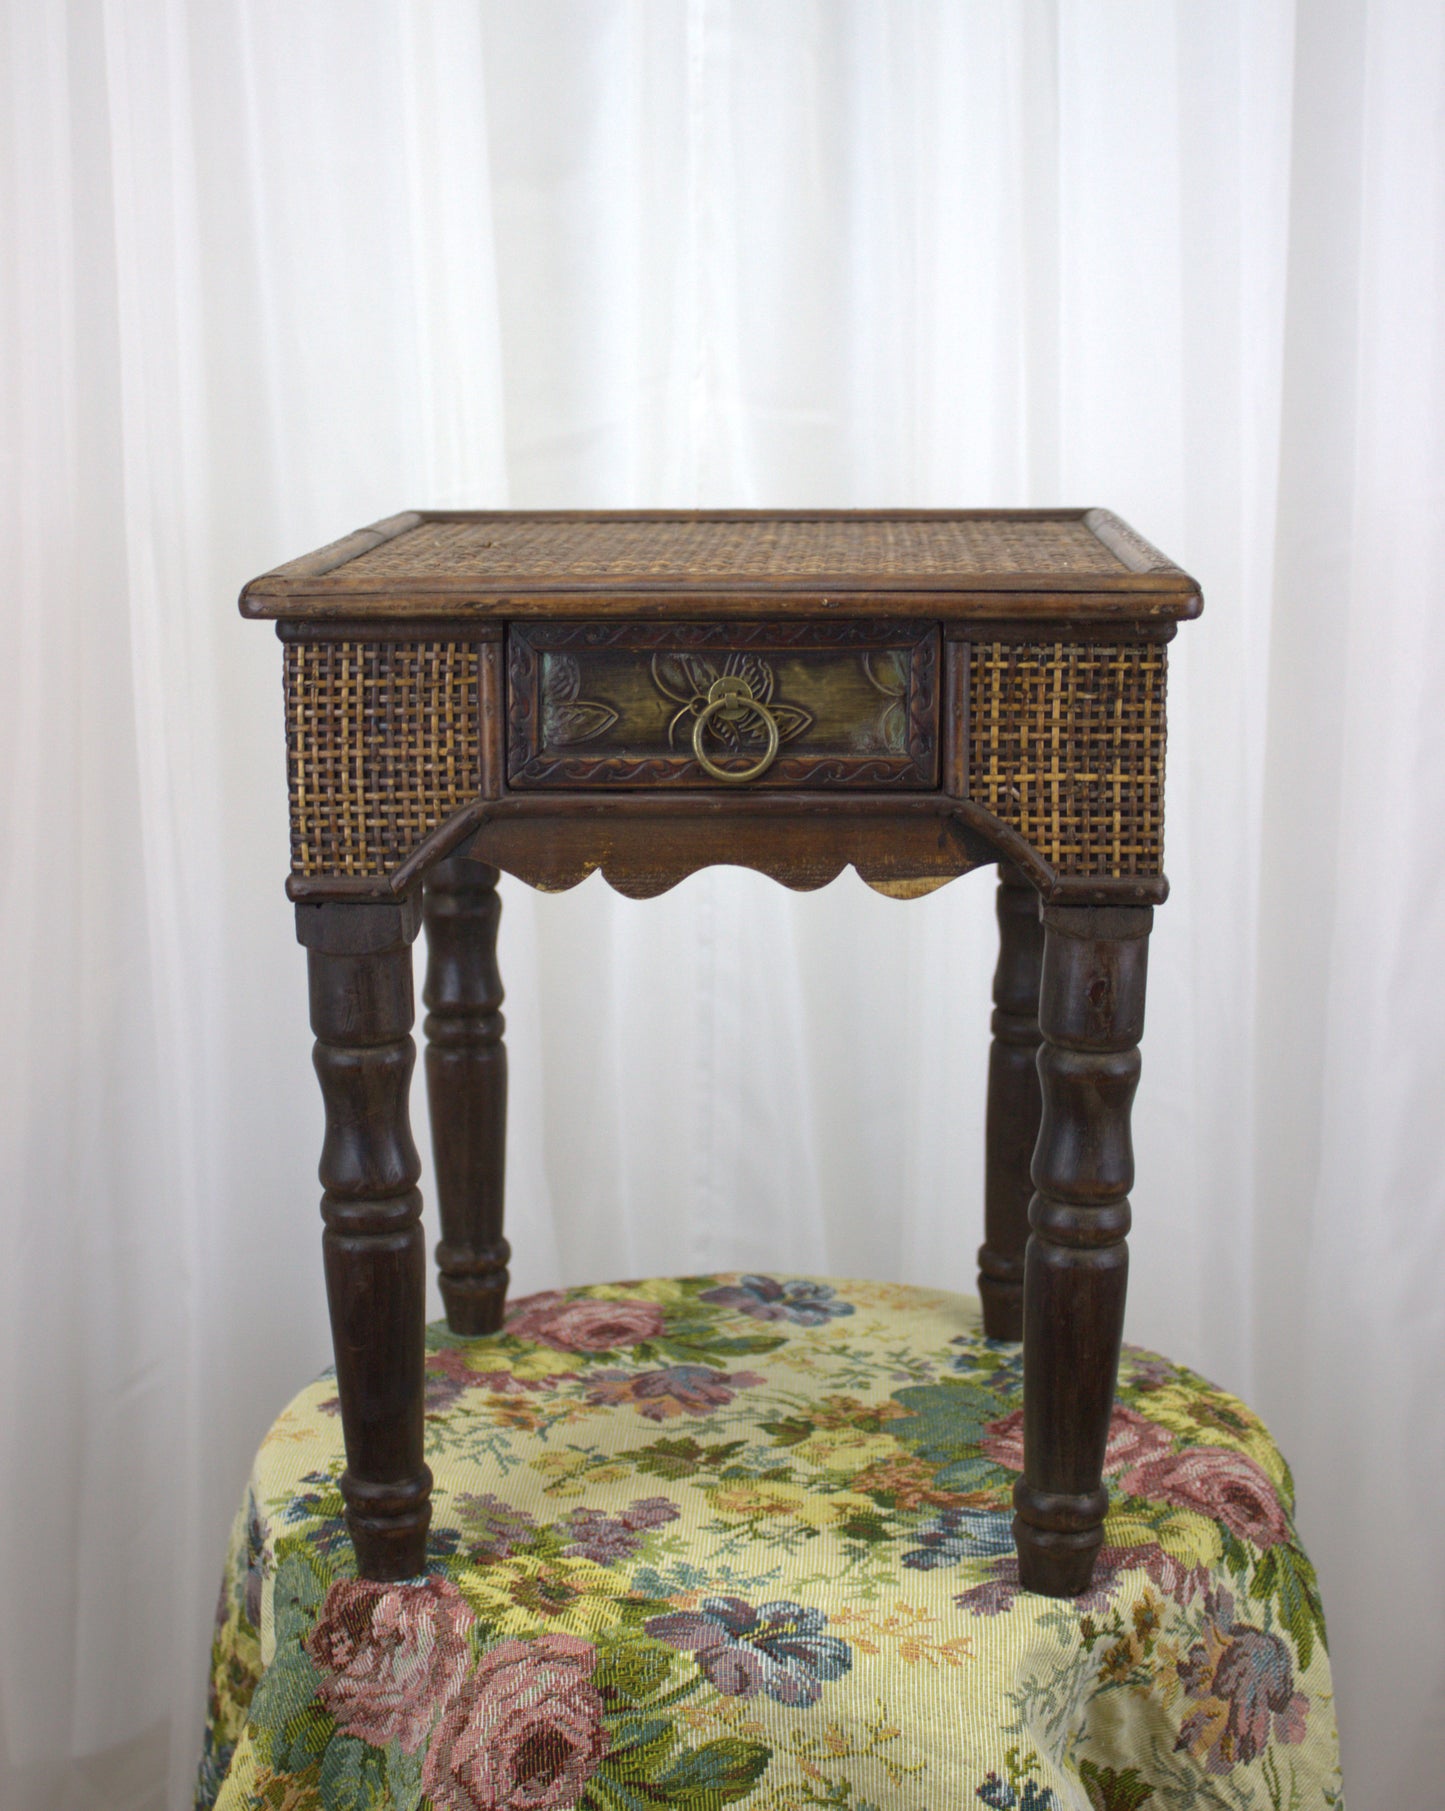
column 1047, row 696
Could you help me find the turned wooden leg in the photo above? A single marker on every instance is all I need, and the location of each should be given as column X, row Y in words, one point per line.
column 466, row 1075
column 1012, row 1126
column 359, row 958
column 1091, row 1014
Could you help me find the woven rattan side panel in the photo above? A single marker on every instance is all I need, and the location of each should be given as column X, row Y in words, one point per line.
column 1066, row 745
column 382, row 746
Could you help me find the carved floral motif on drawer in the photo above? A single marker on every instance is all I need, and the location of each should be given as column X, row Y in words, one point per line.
column 779, row 704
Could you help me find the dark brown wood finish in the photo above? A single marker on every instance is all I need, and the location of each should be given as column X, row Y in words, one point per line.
column 359, row 962
column 645, row 844
column 1027, row 728
column 1091, row 1015
column 466, row 1074
column 1012, row 1126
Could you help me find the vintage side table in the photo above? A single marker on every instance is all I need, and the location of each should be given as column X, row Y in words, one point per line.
column 917, row 693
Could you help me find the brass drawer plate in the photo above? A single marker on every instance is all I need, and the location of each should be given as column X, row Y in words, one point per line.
column 723, row 705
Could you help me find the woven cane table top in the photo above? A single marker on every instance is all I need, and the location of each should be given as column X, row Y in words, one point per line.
column 484, row 564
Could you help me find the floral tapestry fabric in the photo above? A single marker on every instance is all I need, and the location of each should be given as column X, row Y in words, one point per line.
column 746, row 1540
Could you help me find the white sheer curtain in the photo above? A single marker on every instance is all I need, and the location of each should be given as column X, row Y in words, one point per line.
column 272, row 270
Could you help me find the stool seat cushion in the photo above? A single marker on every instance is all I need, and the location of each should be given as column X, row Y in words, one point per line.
column 719, row 1540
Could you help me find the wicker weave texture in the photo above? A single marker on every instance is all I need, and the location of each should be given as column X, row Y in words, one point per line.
column 1066, row 745
column 382, row 746
column 727, row 552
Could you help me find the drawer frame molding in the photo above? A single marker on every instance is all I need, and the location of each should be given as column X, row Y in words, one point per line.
column 534, row 758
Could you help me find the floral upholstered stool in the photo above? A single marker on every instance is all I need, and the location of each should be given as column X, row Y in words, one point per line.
column 745, row 1540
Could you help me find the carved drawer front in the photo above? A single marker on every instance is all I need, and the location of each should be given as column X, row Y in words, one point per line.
column 723, row 705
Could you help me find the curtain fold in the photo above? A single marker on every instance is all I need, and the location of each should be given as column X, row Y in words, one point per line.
column 268, row 272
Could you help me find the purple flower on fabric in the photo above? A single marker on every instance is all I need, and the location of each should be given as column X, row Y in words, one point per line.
column 959, row 1534
column 601, row 1538
column 650, row 1512
column 495, row 1527
column 1147, row 1371
column 605, row 1539
column 1242, row 1683
column 321, row 1504
column 993, row 1598
column 997, row 1594
column 441, row 1392
column 804, row 1301
column 677, row 1390
column 778, row 1648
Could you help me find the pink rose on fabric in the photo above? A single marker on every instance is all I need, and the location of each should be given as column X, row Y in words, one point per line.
column 1226, row 1486
column 525, row 1734
column 390, row 1656
column 1175, row 1579
column 1003, row 1441
column 584, row 1325
column 1132, row 1439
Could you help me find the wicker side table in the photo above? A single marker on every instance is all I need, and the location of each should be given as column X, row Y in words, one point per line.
column 915, row 693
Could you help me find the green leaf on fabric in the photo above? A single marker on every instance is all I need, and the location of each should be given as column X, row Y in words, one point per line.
column 945, row 1420
column 292, row 1727
column 304, row 1740
column 718, row 1773
column 638, row 1746
column 1110, row 1790
column 975, row 1473
column 403, row 1776
column 716, row 1349
column 632, row 1671
column 791, row 1430
column 682, row 1458
column 353, row 1776
column 1285, row 1574
column 298, row 1596
column 606, row 1794
column 1237, row 1555
column 866, row 1527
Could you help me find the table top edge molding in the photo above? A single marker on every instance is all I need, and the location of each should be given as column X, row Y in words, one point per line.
column 324, row 584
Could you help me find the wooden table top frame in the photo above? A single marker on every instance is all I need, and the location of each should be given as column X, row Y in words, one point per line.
column 917, row 693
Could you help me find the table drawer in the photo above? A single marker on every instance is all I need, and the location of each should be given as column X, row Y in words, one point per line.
column 722, row 705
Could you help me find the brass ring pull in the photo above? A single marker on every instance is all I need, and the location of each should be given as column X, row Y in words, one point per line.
column 730, row 698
